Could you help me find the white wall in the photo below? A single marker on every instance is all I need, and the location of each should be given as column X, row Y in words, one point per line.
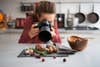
column 12, row 7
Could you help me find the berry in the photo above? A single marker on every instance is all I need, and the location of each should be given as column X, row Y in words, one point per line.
column 64, row 60
column 43, row 59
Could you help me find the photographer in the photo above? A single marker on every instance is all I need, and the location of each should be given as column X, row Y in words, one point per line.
column 44, row 10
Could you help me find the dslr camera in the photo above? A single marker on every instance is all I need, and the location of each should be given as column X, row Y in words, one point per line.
column 45, row 31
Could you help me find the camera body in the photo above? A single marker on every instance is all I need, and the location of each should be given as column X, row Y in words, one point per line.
column 45, row 31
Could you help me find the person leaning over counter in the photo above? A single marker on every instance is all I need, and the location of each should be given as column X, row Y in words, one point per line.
column 44, row 10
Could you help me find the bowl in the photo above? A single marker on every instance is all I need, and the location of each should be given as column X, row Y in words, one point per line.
column 77, row 43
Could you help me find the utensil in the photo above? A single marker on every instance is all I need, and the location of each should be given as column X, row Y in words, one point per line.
column 93, row 17
column 80, row 15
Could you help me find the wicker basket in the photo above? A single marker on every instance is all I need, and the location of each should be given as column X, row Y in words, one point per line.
column 77, row 43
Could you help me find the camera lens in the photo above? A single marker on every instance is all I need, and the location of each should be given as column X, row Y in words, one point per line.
column 45, row 28
column 45, row 36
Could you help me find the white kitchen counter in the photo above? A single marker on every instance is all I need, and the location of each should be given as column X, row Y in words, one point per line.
column 10, row 49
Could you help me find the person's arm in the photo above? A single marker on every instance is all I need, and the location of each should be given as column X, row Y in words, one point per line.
column 25, row 38
column 56, row 38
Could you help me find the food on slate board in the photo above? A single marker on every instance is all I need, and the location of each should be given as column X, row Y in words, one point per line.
column 29, row 51
column 48, row 48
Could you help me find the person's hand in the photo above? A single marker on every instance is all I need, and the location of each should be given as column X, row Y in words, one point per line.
column 33, row 31
column 53, row 32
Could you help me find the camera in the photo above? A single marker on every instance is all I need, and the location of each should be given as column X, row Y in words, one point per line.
column 45, row 28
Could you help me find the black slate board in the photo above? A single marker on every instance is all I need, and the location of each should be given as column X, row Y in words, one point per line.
column 58, row 54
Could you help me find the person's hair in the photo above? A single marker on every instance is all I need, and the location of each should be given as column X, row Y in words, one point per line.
column 45, row 7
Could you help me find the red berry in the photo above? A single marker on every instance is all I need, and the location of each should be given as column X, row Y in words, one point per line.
column 64, row 60
column 43, row 59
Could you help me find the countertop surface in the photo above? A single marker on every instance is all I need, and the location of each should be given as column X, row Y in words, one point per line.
column 10, row 49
